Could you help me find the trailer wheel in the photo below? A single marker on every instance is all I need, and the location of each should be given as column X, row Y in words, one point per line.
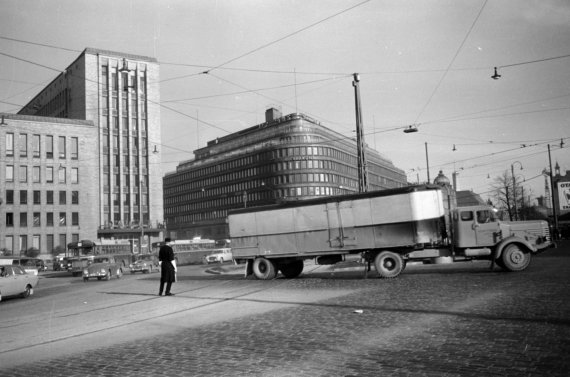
column 388, row 264
column 515, row 258
column 293, row 269
column 264, row 269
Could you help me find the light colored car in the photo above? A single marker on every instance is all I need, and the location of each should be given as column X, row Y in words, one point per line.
column 145, row 263
column 27, row 266
column 220, row 256
column 14, row 281
column 103, row 267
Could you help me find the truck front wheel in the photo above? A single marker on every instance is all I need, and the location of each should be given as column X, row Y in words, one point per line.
column 388, row 264
column 293, row 269
column 264, row 269
column 515, row 258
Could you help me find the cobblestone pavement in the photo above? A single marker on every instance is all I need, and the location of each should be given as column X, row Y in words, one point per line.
column 431, row 321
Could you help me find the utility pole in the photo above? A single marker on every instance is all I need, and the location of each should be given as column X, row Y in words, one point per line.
column 554, row 216
column 360, row 146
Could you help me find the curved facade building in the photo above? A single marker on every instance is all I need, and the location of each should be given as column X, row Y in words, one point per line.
column 286, row 158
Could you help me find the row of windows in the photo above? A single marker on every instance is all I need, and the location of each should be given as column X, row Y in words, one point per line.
column 36, row 146
column 36, row 219
column 22, row 246
column 48, row 176
column 37, row 196
column 247, row 185
column 243, row 198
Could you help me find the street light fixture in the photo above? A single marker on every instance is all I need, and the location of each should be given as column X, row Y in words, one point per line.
column 496, row 76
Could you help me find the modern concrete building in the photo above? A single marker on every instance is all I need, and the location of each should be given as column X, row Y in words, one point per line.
column 291, row 157
column 48, row 193
column 119, row 93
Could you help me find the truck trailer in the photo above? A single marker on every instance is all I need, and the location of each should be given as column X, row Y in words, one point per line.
column 388, row 228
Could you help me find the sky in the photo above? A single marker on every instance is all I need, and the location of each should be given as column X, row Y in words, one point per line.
column 421, row 63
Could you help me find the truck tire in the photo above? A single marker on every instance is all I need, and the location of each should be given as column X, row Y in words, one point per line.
column 293, row 269
column 515, row 258
column 388, row 264
column 264, row 269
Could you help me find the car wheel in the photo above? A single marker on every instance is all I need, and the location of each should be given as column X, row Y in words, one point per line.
column 388, row 264
column 108, row 276
column 27, row 292
column 515, row 258
column 293, row 269
column 264, row 269
column 85, row 279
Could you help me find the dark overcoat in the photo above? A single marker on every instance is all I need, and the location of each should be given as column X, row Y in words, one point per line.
column 166, row 256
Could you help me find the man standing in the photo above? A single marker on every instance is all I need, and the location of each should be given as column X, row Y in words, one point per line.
column 167, row 267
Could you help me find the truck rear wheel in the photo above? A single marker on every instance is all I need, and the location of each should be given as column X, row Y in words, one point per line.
column 293, row 269
column 388, row 264
column 264, row 269
column 515, row 258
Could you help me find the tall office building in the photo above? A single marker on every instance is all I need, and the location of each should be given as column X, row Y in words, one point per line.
column 291, row 157
column 48, row 192
column 119, row 93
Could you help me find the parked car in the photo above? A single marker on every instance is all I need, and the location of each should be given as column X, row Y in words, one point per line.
column 14, row 281
column 103, row 267
column 31, row 263
column 220, row 256
column 78, row 264
column 28, row 267
column 145, row 263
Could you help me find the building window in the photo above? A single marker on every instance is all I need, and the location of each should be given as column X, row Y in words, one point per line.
column 36, row 146
column 23, row 173
column 9, row 144
column 36, row 174
column 74, row 218
column 62, row 197
column 62, row 219
column 9, row 219
column 37, row 197
column 23, row 197
column 37, row 219
column 36, row 241
column 10, row 244
column 75, row 197
column 49, row 242
column 9, row 196
column 74, row 148
column 49, row 174
column 63, row 241
column 23, row 145
column 9, row 173
column 49, row 146
column 74, row 175
column 49, row 197
column 23, row 219
column 23, row 244
column 61, row 172
column 49, row 218
column 61, row 147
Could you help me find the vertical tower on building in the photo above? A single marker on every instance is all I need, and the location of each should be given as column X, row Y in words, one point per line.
column 119, row 93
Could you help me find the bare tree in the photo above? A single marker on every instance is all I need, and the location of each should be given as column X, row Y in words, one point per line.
column 505, row 187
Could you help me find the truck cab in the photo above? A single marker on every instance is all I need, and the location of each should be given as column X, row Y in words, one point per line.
column 479, row 227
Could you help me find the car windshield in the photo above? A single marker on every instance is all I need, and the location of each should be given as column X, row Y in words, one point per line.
column 145, row 257
column 101, row 260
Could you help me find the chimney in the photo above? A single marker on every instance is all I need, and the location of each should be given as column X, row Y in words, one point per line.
column 271, row 114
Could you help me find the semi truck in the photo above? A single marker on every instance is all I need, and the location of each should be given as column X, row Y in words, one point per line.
column 388, row 228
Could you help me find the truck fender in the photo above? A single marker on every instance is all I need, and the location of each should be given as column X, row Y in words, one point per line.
column 249, row 268
column 507, row 241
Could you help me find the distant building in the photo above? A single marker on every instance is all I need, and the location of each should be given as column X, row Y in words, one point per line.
column 286, row 158
column 49, row 192
column 119, row 93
